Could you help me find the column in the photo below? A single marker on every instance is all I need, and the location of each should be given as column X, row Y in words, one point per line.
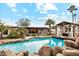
column 71, row 30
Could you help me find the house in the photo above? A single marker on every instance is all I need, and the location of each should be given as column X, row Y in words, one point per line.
column 67, row 29
column 30, row 30
column 61, row 29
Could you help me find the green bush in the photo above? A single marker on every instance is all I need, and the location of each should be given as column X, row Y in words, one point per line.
column 43, row 35
column 34, row 34
column 13, row 35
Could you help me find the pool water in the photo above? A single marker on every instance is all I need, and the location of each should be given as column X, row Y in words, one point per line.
column 33, row 45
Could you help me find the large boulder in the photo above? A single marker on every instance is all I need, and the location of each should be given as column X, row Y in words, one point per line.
column 72, row 44
column 70, row 52
column 45, row 51
column 34, row 54
column 77, row 37
column 2, row 53
column 56, row 50
column 23, row 53
column 7, row 53
column 68, row 48
column 59, row 54
column 26, row 53
column 77, row 40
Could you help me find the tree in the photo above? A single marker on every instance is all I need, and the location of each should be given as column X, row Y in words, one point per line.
column 73, row 8
column 23, row 22
column 50, row 22
column 3, row 28
column 22, row 32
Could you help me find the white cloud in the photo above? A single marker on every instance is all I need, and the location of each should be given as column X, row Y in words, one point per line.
column 56, row 17
column 3, row 20
column 44, row 7
column 63, row 13
column 12, row 5
column 63, row 18
column 49, row 7
column 14, row 10
column 27, row 16
column 66, row 13
column 10, row 24
column 43, row 12
column 24, row 10
column 7, row 22
column 51, row 16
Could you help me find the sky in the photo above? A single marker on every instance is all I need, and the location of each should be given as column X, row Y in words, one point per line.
column 37, row 13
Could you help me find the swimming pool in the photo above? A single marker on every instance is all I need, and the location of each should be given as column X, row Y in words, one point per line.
column 33, row 45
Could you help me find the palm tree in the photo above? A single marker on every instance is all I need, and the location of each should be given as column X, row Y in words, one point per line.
column 3, row 28
column 74, row 18
column 50, row 22
column 21, row 32
column 73, row 8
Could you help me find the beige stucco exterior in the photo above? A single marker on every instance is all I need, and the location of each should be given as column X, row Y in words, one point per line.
column 68, row 28
column 31, row 30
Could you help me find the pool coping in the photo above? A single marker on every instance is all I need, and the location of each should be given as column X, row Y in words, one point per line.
column 30, row 37
column 19, row 39
column 13, row 40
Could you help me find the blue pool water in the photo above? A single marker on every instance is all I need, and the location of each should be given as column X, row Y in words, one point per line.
column 33, row 45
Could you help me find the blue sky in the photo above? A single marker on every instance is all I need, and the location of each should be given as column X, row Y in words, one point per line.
column 37, row 13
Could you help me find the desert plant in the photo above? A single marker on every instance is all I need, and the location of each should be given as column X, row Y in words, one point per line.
column 22, row 32
column 13, row 35
column 50, row 22
column 3, row 28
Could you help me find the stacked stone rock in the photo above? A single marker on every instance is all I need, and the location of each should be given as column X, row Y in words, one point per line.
column 11, row 53
column 48, row 51
column 71, row 47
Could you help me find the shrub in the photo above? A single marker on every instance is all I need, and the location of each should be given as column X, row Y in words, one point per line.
column 34, row 34
column 13, row 35
column 44, row 34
